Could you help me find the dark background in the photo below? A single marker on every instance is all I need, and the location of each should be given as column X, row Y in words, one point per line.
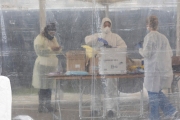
column 22, row 27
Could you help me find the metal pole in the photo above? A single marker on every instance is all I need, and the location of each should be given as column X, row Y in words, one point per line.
column 107, row 10
column 80, row 98
column 42, row 14
column 178, row 30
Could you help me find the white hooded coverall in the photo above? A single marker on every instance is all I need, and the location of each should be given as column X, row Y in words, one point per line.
column 110, row 85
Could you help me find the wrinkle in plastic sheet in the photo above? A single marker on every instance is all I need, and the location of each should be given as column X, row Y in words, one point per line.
column 74, row 21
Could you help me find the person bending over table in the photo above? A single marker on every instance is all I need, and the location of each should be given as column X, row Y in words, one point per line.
column 107, row 39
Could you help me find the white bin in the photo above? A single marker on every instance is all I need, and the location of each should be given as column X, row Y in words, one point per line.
column 112, row 61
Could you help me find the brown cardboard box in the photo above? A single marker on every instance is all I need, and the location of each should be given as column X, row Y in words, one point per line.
column 93, row 65
column 75, row 60
column 137, row 62
column 176, row 60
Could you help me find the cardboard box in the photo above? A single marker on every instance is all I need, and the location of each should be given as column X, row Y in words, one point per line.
column 112, row 61
column 93, row 65
column 137, row 62
column 75, row 60
column 176, row 60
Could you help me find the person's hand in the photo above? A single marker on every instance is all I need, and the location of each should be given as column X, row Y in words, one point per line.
column 102, row 40
column 56, row 48
column 141, row 51
column 140, row 44
column 108, row 46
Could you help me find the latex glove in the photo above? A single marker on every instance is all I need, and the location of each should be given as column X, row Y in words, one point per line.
column 141, row 51
column 107, row 46
column 102, row 40
column 139, row 45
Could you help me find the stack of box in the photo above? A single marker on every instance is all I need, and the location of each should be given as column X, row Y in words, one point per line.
column 108, row 61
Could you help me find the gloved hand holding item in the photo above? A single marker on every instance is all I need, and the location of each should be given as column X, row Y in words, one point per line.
column 139, row 45
column 102, row 40
column 108, row 46
column 141, row 52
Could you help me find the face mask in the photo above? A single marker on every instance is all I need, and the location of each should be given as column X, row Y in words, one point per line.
column 106, row 30
column 147, row 30
column 52, row 33
column 49, row 37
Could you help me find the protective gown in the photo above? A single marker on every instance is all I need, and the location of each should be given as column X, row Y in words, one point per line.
column 45, row 63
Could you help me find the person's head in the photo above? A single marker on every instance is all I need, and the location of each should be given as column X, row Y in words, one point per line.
column 50, row 31
column 152, row 23
column 106, row 25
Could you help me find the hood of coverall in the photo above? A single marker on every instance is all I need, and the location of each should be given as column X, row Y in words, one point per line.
column 103, row 21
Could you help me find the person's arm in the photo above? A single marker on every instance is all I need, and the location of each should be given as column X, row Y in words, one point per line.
column 146, row 51
column 91, row 39
column 169, row 48
column 57, row 45
column 39, row 47
column 120, row 42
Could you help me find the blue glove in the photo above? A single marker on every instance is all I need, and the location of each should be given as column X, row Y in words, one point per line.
column 102, row 40
column 139, row 45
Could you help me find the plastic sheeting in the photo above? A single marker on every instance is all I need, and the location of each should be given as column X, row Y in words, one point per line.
column 20, row 24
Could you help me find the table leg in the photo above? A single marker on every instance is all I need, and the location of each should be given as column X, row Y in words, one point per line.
column 80, row 98
column 142, row 103
column 118, row 97
column 55, row 95
column 104, row 108
column 175, row 89
column 118, row 111
column 59, row 97
column 57, row 101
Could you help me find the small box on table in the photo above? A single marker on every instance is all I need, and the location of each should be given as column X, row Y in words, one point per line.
column 75, row 60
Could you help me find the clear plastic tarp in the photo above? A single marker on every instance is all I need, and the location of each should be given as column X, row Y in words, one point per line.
column 66, row 62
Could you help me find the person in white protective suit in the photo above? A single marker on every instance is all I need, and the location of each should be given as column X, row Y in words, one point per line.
column 157, row 55
column 108, row 39
column 46, row 48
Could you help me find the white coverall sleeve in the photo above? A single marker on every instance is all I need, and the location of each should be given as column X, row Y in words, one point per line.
column 146, row 51
column 169, row 48
column 120, row 42
column 91, row 39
